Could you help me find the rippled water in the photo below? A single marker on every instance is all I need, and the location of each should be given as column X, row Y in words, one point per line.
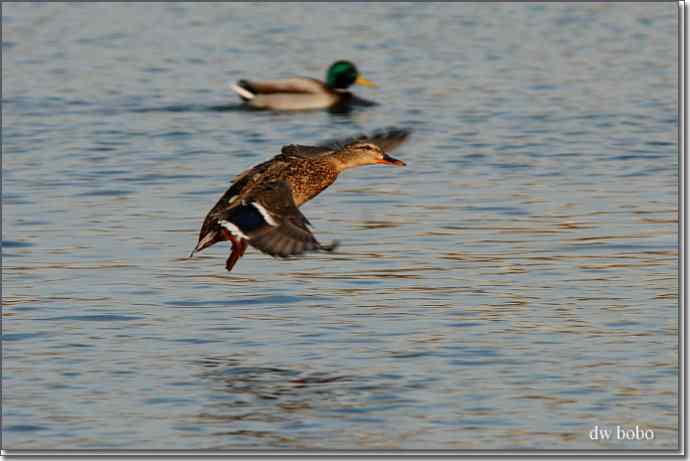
column 513, row 287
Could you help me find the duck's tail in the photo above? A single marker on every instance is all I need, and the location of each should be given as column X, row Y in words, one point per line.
column 244, row 89
column 210, row 234
column 207, row 239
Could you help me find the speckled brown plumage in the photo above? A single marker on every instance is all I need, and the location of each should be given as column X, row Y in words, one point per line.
column 261, row 206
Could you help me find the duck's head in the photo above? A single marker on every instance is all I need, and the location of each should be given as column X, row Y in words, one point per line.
column 342, row 74
column 364, row 153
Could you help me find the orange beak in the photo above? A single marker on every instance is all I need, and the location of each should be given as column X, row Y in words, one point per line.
column 388, row 160
column 365, row 82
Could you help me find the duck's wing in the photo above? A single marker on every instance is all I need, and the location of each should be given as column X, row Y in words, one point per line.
column 269, row 219
column 251, row 174
column 210, row 232
column 387, row 139
column 247, row 89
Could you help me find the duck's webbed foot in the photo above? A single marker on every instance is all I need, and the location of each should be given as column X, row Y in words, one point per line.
column 239, row 246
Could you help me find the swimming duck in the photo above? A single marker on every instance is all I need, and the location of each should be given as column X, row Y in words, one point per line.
column 261, row 206
column 302, row 93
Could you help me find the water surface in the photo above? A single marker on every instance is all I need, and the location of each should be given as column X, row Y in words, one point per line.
column 513, row 287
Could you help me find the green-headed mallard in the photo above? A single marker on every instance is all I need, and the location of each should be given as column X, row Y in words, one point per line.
column 261, row 206
column 302, row 93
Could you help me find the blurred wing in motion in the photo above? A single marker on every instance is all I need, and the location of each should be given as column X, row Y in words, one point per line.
column 387, row 139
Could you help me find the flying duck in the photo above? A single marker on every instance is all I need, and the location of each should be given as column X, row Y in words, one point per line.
column 261, row 207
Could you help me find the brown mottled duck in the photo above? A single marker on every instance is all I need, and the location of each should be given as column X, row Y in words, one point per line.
column 303, row 93
column 261, row 206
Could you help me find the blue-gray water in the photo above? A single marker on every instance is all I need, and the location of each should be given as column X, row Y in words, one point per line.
column 513, row 287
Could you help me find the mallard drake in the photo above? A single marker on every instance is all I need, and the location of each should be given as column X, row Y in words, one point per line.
column 261, row 206
column 302, row 93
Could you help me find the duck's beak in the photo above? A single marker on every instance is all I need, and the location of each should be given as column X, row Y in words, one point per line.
column 364, row 82
column 388, row 160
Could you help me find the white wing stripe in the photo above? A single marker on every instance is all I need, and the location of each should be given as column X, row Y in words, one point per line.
column 266, row 215
column 234, row 230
